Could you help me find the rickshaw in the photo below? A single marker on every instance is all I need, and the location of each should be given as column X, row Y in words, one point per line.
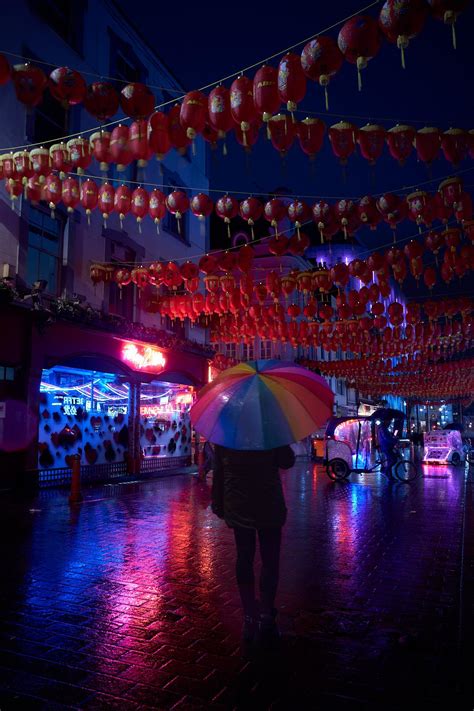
column 351, row 446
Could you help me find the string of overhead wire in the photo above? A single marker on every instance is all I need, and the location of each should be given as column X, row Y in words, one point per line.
column 202, row 88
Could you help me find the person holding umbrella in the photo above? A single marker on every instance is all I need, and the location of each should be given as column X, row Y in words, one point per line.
column 252, row 412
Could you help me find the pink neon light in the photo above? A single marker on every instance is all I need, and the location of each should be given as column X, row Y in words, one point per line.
column 143, row 357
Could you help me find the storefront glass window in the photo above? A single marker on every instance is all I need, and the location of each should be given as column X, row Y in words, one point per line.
column 82, row 412
column 165, row 429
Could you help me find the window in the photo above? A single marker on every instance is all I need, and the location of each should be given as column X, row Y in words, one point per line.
column 44, row 249
column 66, row 18
column 230, row 350
column 265, row 349
column 340, row 386
column 247, row 351
column 124, row 63
column 7, row 373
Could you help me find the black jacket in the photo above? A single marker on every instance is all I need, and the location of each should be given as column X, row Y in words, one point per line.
column 246, row 487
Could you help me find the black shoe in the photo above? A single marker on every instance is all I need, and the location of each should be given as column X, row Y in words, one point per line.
column 268, row 632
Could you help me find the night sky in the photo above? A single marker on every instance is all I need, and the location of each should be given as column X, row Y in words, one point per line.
column 202, row 45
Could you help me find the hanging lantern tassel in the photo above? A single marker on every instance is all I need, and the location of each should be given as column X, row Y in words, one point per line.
column 104, row 217
column 202, row 226
column 88, row 213
column 402, row 44
column 52, row 207
column 266, row 118
column 324, row 81
column 344, row 226
column 121, row 218
column 178, row 218
column 227, row 221
column 361, row 64
column 274, row 224
column 139, row 223
column 251, row 223
column 245, row 126
column 298, row 225
column 321, row 233
column 157, row 223
column 291, row 107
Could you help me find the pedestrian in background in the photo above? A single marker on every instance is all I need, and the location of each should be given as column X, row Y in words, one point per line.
column 247, row 494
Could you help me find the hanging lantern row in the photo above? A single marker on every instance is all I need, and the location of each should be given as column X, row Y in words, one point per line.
column 414, row 377
column 164, row 131
column 29, row 173
column 359, row 41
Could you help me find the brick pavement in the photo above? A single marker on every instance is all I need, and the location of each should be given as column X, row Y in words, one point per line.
column 128, row 601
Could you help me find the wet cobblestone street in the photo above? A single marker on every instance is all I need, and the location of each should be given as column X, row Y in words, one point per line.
column 128, row 600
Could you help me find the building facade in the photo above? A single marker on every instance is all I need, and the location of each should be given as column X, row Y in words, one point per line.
column 86, row 367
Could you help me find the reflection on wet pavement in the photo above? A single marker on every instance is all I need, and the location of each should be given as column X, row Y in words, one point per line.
column 128, row 600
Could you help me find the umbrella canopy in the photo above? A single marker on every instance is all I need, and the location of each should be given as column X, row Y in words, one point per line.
column 262, row 404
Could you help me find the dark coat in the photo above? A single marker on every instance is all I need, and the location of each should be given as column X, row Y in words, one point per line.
column 246, row 488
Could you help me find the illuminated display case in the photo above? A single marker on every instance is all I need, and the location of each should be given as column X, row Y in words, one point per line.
column 82, row 412
column 165, row 429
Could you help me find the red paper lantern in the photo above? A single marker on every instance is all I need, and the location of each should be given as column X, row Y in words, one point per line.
column 40, row 162
column 177, row 133
column 100, row 144
column 321, row 59
column 138, row 142
column 452, row 237
column 158, row 134
column 450, row 190
column 274, row 211
column 291, row 81
column 310, row 133
column 14, row 188
column 442, row 211
column 427, row 143
column 80, row 154
column 106, row 201
column 172, row 277
column 219, row 113
column 119, row 147
column 359, row 41
column 342, row 136
column 201, row 206
column 227, row 208
column 251, row 210
column 448, row 12
column 5, row 70
column 347, row 215
column 140, row 277
column 137, row 101
column 278, row 244
column 101, row 100
column 9, row 166
column 298, row 213
column 29, row 83
column 67, row 86
column 434, row 241
column 70, row 194
column 463, row 208
column 157, row 207
column 52, row 192
column 325, row 219
column 23, row 167
column 122, row 202
column 242, row 106
column 455, row 145
column 33, row 189
column 420, row 208
column 393, row 209
column 208, row 264
column 340, row 275
column 368, row 212
column 400, row 142
column 139, row 205
column 401, row 21
column 177, row 203
column 282, row 133
column 265, row 92
column 371, row 140
column 89, row 197
column 245, row 257
column 193, row 113
column 298, row 244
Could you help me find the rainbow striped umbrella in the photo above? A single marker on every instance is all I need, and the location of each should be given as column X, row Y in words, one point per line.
column 262, row 404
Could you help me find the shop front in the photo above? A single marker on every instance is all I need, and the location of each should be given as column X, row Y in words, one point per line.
column 122, row 405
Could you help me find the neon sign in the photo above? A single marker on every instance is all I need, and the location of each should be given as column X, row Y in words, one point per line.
column 143, row 357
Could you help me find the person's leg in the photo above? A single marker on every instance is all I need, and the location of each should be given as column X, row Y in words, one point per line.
column 245, row 541
column 270, row 542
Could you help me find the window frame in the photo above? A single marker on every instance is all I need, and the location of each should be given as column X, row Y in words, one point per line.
column 60, row 219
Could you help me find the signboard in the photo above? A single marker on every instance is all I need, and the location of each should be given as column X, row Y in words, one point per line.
column 141, row 356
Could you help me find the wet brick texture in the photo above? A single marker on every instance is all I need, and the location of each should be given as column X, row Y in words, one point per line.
column 128, row 600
